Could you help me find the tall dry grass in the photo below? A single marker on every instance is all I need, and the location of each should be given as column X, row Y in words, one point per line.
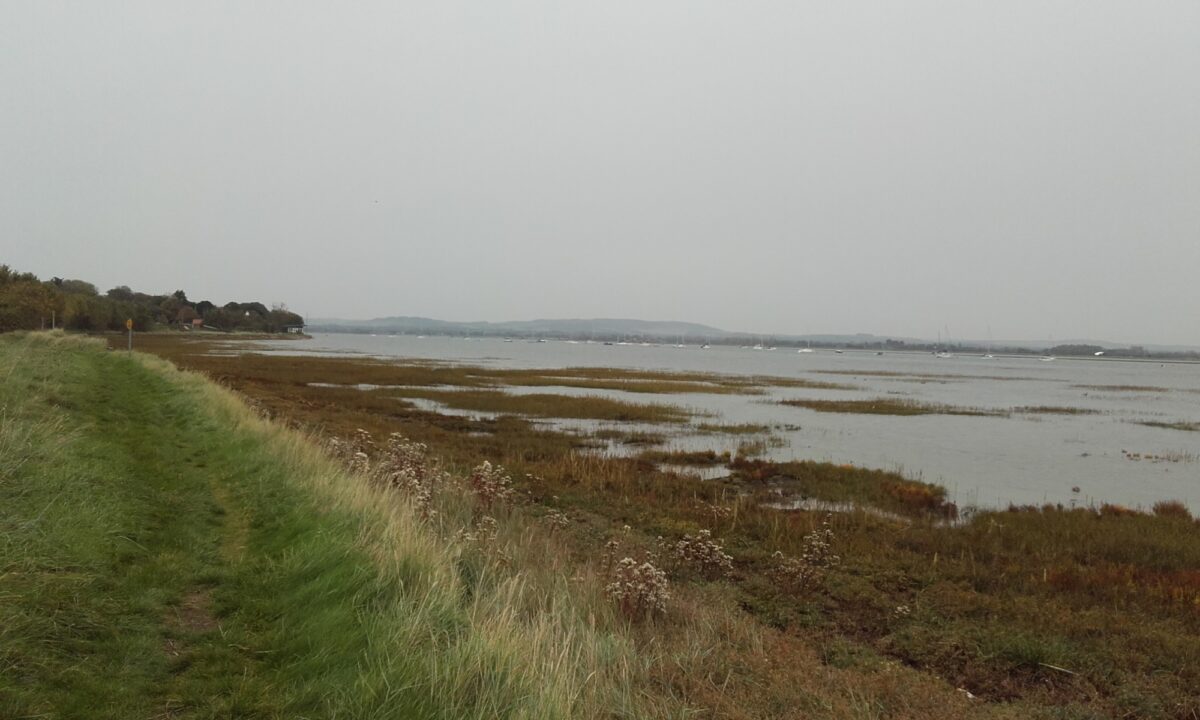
column 514, row 633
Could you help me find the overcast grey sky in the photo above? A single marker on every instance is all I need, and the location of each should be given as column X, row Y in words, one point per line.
column 888, row 167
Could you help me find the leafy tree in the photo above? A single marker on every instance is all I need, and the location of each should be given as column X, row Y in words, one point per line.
column 75, row 287
column 27, row 305
column 186, row 314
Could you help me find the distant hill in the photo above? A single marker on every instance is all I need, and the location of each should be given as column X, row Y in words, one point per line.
column 597, row 327
column 672, row 331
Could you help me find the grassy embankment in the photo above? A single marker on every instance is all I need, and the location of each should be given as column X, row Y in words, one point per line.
column 167, row 553
column 1041, row 612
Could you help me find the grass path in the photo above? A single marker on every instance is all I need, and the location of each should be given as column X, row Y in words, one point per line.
column 123, row 566
column 158, row 561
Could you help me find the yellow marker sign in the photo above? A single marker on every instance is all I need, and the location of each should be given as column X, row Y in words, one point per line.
column 129, row 324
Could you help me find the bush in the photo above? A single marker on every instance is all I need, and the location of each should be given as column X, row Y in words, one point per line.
column 1172, row 508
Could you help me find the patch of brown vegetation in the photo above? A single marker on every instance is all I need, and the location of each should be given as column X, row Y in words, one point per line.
column 193, row 615
column 991, row 605
column 886, row 406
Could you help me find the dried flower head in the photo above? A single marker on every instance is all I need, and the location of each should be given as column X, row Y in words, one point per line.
column 557, row 520
column 491, row 484
column 798, row 574
column 703, row 555
column 640, row 590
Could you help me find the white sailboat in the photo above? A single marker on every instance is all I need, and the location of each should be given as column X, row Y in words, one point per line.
column 940, row 353
column 989, row 354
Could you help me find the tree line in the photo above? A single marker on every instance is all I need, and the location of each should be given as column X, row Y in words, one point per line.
column 29, row 303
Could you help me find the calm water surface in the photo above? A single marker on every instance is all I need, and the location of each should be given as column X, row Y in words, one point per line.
column 1022, row 458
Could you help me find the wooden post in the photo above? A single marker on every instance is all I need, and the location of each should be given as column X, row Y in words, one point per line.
column 129, row 327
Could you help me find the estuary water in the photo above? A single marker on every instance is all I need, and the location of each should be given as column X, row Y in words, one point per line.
column 1106, row 455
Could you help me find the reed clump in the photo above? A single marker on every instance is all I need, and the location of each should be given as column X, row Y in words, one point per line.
column 1172, row 509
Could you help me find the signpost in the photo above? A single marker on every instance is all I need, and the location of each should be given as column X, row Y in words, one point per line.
column 129, row 327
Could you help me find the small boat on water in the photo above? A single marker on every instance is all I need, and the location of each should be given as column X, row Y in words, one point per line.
column 1048, row 358
column 705, row 346
column 940, row 352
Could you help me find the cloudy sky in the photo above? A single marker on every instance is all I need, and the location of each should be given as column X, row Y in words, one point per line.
column 889, row 167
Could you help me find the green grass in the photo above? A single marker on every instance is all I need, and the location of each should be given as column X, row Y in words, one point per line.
column 165, row 553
